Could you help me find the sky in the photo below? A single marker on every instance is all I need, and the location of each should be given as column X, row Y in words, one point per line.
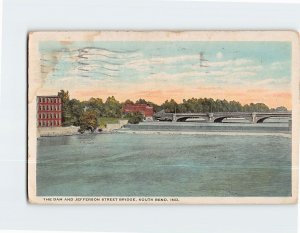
column 258, row 72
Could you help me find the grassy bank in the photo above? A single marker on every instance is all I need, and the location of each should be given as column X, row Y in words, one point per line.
column 103, row 121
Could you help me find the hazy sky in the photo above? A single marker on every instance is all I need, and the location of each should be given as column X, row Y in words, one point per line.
column 156, row 71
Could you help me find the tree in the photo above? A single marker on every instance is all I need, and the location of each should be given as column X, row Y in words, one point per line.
column 141, row 101
column 281, row 109
column 128, row 102
column 76, row 109
column 66, row 111
column 95, row 104
column 88, row 121
column 134, row 117
column 258, row 107
column 64, row 95
column 235, row 106
column 170, row 106
column 112, row 107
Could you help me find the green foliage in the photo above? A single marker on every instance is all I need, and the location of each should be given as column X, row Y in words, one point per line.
column 112, row 108
column 210, row 105
column 77, row 109
column 71, row 109
column 134, row 117
column 95, row 104
column 94, row 112
column 281, row 109
column 88, row 121
column 170, row 106
column 64, row 95
column 141, row 101
column 258, row 107
column 66, row 111
column 128, row 102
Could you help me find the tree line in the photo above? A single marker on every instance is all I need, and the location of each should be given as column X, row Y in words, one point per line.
column 86, row 113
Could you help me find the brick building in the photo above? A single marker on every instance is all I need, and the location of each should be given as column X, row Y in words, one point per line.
column 146, row 110
column 49, row 111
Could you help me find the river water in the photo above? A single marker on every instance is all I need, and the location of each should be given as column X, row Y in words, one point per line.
column 129, row 164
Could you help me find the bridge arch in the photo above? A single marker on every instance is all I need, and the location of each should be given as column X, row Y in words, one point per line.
column 183, row 119
column 261, row 120
column 219, row 119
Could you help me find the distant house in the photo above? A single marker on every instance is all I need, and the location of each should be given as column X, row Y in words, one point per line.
column 144, row 109
column 49, row 111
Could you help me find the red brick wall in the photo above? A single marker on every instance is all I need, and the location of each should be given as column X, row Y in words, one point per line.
column 146, row 110
column 49, row 111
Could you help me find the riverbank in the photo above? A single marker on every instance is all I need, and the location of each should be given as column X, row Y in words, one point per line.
column 114, row 126
column 74, row 130
column 57, row 131
column 204, row 133
column 196, row 128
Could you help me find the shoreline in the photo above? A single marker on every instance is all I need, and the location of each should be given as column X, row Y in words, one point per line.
column 173, row 129
column 157, row 132
column 287, row 135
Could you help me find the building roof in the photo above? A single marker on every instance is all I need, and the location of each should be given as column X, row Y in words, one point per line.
column 143, row 108
column 48, row 96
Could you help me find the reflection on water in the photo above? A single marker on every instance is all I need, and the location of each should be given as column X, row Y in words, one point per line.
column 164, row 165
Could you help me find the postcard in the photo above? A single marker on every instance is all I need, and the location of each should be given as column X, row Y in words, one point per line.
column 163, row 117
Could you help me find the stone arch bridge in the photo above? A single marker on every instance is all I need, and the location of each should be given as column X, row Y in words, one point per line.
column 253, row 117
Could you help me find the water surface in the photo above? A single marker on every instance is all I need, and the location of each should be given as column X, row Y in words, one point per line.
column 164, row 165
